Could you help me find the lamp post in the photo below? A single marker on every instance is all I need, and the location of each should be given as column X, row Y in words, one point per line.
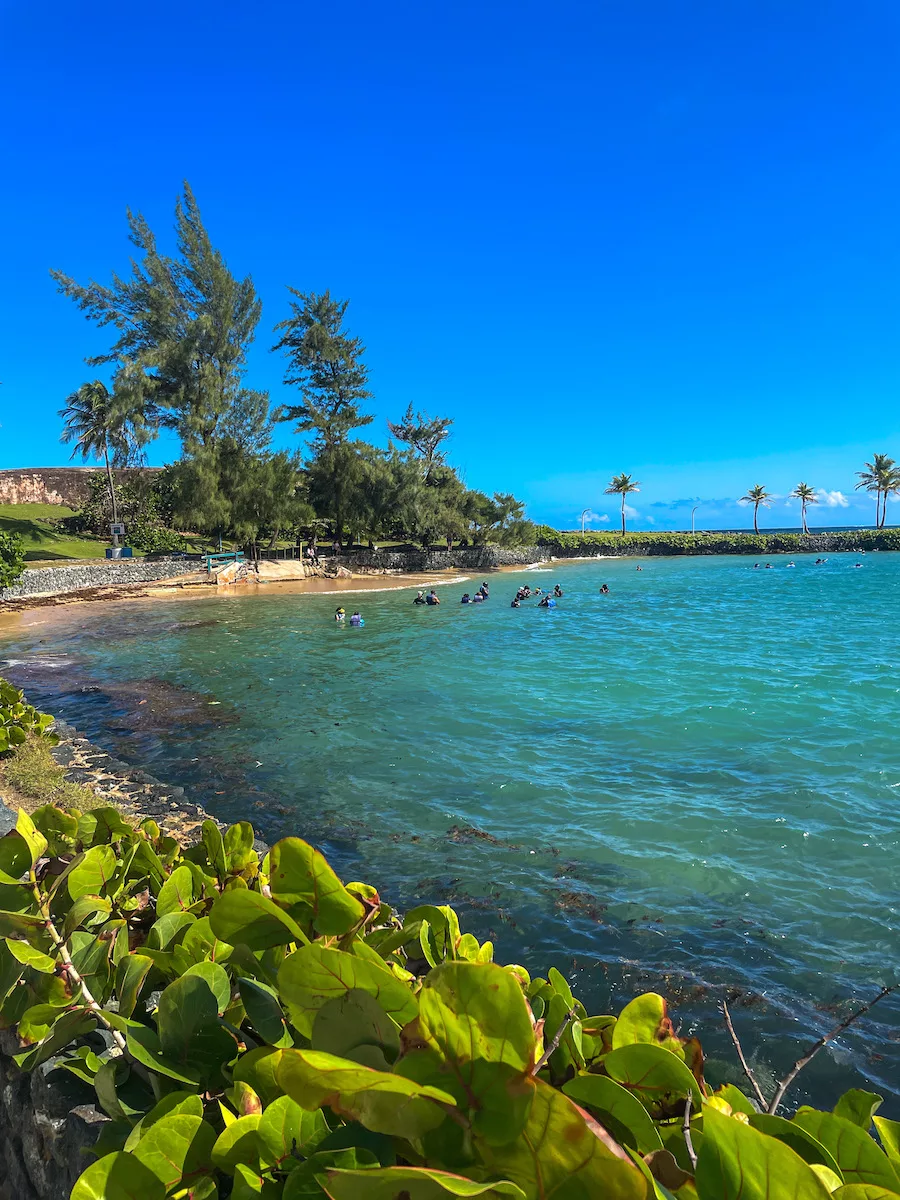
column 584, row 516
column 693, row 510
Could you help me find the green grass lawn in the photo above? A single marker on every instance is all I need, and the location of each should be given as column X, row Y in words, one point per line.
column 44, row 542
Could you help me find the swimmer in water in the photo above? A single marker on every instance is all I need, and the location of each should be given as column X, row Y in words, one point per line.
column 857, row 565
column 639, row 568
column 432, row 598
column 420, row 599
column 478, row 598
column 756, row 566
column 517, row 603
column 768, row 566
column 791, row 564
column 339, row 614
column 467, row 599
column 356, row 620
column 547, row 602
column 604, row 591
column 557, row 590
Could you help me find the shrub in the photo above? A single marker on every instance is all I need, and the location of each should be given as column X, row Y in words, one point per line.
column 18, row 719
column 659, row 542
column 268, row 1031
column 12, row 558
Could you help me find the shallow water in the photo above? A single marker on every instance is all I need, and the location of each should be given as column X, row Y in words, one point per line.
column 690, row 784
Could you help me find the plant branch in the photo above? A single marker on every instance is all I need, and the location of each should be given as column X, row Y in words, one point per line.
column 814, row 1050
column 70, row 969
column 554, row 1045
column 686, row 1130
column 740, row 1053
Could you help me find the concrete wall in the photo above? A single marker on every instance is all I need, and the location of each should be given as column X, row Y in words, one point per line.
column 53, row 581
column 67, row 486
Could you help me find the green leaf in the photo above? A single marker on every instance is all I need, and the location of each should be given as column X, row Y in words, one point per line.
column 169, row 930
column 659, row 1078
column 177, row 893
column 561, row 1155
column 211, row 837
column 188, row 1104
column 285, row 1127
column 249, row 1184
column 118, row 1177
column 382, row 1102
column 95, row 870
column 737, row 1162
column 15, row 858
column 29, row 957
column 801, row 1142
column 86, row 906
column 65, row 1029
column 237, row 1143
column 249, row 918
column 736, row 1098
column 215, row 979
column 16, row 924
column 259, row 1070
column 355, row 1026
column 33, row 839
column 305, row 1181
column 863, row 1191
column 889, row 1133
column 131, row 975
column 200, row 944
column 646, row 1020
column 617, row 1109
column 239, row 852
column 143, row 1045
column 859, row 1158
column 859, row 1107
column 175, row 1146
column 314, row 974
column 264, row 1012
column 415, row 1183
column 300, row 874
column 185, row 1007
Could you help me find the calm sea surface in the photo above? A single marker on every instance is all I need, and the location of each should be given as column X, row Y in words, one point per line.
column 691, row 784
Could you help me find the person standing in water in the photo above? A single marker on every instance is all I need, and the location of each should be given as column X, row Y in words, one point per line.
column 432, row 598
column 420, row 599
column 339, row 614
column 356, row 620
column 604, row 591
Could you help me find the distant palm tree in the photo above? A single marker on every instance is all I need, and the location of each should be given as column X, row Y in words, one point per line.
column 622, row 485
column 757, row 496
column 100, row 429
column 882, row 477
column 806, row 495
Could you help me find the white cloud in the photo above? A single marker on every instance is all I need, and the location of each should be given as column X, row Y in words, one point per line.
column 652, row 520
column 591, row 518
column 632, row 513
column 832, row 499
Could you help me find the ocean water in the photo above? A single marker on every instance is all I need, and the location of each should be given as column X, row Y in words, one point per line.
column 691, row 784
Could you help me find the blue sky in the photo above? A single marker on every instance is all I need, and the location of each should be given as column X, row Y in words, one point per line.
column 608, row 236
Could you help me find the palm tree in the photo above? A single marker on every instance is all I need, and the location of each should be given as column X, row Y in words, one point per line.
column 757, row 496
column 99, row 427
column 622, row 484
column 806, row 495
column 882, row 477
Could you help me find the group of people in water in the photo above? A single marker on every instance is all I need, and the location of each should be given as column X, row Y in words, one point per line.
column 547, row 599
column 356, row 620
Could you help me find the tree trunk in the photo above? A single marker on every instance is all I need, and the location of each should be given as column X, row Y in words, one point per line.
column 274, row 538
column 112, row 486
column 803, row 516
column 755, row 520
column 623, row 514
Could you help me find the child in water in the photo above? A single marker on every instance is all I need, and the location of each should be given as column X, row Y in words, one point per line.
column 356, row 620
column 339, row 614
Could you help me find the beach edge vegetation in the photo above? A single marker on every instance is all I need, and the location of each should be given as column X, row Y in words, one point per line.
column 254, row 1027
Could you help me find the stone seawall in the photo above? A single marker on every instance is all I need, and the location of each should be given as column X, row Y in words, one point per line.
column 53, row 581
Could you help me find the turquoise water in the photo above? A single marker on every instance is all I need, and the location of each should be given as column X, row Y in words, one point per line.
column 691, row 784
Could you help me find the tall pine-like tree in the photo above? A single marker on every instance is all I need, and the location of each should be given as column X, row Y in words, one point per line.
column 183, row 325
column 326, row 363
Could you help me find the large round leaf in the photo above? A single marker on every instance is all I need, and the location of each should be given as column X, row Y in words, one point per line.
column 175, row 1146
column 737, row 1162
column 801, row 1142
column 617, row 1109
column 659, row 1077
column 414, row 1183
column 645, row 1019
column 300, row 874
column 857, row 1155
column 118, row 1177
column 381, row 1101
column 247, row 917
column 314, row 974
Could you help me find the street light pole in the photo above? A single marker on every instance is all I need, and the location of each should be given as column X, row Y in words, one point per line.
column 693, row 510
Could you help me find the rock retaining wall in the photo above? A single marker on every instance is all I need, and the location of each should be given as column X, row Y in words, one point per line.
column 53, row 581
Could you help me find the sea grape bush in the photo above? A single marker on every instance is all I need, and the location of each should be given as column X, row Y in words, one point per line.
column 257, row 1028
column 650, row 542
column 18, row 719
column 12, row 558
